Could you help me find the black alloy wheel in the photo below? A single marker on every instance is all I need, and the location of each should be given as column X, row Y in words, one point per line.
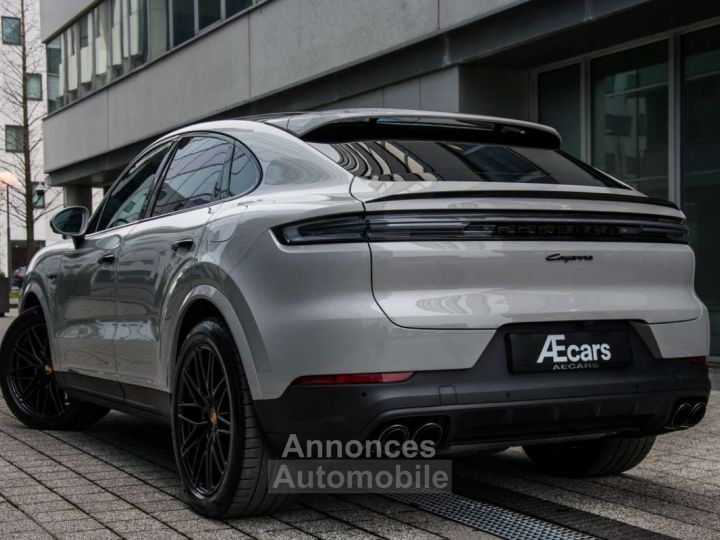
column 29, row 383
column 31, row 378
column 204, row 419
column 221, row 452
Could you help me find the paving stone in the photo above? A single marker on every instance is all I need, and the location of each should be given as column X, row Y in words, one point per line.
column 18, row 526
column 59, row 515
column 253, row 526
column 119, row 515
column 116, row 505
column 34, row 498
column 198, row 525
column 221, row 534
column 284, row 534
column 157, row 506
column 156, row 534
column 298, row 514
column 347, row 535
column 48, row 506
column 322, row 525
column 97, row 534
column 9, row 513
column 135, row 525
column 57, row 527
column 170, row 516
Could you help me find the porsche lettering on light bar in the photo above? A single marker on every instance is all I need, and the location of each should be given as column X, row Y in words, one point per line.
column 486, row 226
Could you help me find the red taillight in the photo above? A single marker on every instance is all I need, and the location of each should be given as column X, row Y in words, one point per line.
column 356, row 378
column 698, row 360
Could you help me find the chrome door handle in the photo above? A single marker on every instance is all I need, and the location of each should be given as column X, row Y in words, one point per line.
column 186, row 245
column 108, row 258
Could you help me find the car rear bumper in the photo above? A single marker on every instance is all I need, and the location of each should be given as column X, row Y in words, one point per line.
column 488, row 404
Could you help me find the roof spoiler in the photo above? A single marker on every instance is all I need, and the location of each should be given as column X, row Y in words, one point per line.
column 460, row 128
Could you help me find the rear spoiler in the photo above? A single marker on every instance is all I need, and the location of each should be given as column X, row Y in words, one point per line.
column 527, row 194
column 460, row 128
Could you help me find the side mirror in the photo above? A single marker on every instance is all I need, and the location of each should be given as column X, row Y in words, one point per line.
column 71, row 222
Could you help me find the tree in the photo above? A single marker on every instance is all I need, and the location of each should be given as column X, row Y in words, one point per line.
column 22, row 59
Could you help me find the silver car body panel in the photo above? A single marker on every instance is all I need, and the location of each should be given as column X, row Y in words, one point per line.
column 345, row 307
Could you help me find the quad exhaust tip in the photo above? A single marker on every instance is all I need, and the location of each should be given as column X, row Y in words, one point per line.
column 688, row 414
column 697, row 413
column 431, row 431
column 394, row 432
column 428, row 432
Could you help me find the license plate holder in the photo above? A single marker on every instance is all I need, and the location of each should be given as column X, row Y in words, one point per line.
column 568, row 351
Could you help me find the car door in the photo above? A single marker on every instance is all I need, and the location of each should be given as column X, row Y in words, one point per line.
column 157, row 254
column 87, row 297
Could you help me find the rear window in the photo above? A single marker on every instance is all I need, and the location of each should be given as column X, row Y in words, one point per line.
column 446, row 161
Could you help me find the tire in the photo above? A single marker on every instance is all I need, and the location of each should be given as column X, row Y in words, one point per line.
column 224, row 421
column 598, row 457
column 28, row 381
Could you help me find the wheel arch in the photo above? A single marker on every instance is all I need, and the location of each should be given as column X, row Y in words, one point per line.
column 33, row 295
column 30, row 300
column 205, row 301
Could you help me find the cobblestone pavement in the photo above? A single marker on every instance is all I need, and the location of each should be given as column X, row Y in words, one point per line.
column 118, row 479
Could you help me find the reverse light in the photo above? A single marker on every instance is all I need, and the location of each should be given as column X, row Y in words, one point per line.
column 355, row 378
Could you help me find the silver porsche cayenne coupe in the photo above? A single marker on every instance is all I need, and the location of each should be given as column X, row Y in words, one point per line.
column 365, row 275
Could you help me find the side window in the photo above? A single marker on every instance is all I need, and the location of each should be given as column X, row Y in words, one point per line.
column 125, row 202
column 194, row 175
column 243, row 173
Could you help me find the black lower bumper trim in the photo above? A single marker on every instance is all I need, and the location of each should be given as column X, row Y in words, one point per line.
column 488, row 403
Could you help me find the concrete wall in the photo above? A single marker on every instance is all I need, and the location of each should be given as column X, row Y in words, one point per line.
column 55, row 14
column 437, row 91
column 278, row 44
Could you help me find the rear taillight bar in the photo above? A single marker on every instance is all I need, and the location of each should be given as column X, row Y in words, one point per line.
column 355, row 378
column 485, row 226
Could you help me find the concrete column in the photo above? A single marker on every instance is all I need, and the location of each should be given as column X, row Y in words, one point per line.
column 78, row 196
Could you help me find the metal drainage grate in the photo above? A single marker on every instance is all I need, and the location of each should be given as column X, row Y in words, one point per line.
column 487, row 517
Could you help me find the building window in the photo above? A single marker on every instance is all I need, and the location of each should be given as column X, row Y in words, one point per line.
column 84, row 32
column 629, row 117
column 55, row 76
column 700, row 158
column 11, row 34
column 101, row 40
column 236, row 6
column 13, row 139
column 117, row 36
column 34, row 87
column 183, row 21
column 559, row 105
column 38, row 196
column 209, row 12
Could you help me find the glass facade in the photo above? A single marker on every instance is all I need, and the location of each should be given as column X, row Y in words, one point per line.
column 118, row 36
column 627, row 110
column 559, row 105
column 630, row 117
column 209, row 12
column 700, row 163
